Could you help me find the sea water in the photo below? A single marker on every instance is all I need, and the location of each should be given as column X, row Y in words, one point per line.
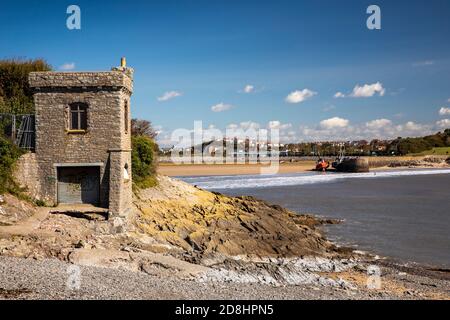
column 402, row 214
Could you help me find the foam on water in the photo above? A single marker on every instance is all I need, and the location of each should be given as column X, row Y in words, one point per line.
column 264, row 181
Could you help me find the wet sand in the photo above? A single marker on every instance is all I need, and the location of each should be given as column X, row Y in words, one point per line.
column 190, row 170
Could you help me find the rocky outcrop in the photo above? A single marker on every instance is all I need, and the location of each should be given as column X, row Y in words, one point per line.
column 204, row 224
column 13, row 210
column 428, row 162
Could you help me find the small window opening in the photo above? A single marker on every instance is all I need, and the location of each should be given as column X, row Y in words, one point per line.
column 126, row 175
column 78, row 117
column 126, row 116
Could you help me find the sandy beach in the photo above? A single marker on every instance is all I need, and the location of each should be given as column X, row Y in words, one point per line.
column 186, row 170
column 376, row 163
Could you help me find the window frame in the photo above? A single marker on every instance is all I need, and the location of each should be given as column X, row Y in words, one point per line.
column 81, row 112
column 127, row 116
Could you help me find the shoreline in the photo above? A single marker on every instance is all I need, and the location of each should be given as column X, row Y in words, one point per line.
column 205, row 170
column 191, row 170
column 403, row 257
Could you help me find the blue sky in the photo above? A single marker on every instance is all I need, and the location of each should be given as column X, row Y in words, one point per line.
column 207, row 52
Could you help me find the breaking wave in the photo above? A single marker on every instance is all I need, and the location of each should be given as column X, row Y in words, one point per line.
column 264, row 181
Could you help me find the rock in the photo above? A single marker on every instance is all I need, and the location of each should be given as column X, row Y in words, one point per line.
column 118, row 225
column 14, row 210
column 79, row 244
column 102, row 258
column 204, row 222
column 410, row 292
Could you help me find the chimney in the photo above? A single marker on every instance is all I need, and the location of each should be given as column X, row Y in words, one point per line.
column 123, row 68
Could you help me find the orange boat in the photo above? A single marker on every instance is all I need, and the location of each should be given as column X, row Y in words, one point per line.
column 322, row 165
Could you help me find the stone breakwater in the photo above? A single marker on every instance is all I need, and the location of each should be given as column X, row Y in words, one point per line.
column 427, row 162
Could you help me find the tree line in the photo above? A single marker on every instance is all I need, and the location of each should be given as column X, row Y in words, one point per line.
column 15, row 93
column 398, row 146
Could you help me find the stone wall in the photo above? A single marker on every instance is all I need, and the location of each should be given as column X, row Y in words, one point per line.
column 121, row 192
column 26, row 174
column 83, row 80
column 106, row 94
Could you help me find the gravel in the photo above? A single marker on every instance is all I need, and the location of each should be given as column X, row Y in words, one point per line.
column 47, row 279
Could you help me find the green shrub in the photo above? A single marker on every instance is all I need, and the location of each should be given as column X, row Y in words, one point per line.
column 40, row 203
column 9, row 154
column 15, row 93
column 144, row 161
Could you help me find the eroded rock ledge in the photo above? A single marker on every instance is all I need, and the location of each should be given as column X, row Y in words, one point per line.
column 203, row 223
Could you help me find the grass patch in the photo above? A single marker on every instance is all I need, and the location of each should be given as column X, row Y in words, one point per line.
column 144, row 162
column 148, row 182
column 441, row 151
column 9, row 154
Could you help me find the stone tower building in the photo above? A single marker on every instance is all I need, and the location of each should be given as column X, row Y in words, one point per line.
column 83, row 137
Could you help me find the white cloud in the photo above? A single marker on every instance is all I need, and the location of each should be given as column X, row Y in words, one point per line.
column 334, row 129
column 368, row 90
column 221, row 107
column 169, row 95
column 375, row 129
column 157, row 127
column 378, row 124
column 444, row 123
column 232, row 126
column 411, row 126
column 339, row 95
column 278, row 125
column 249, row 88
column 423, row 63
column 444, row 111
column 335, row 122
column 448, row 100
column 329, row 107
column 67, row 66
column 300, row 96
column 249, row 125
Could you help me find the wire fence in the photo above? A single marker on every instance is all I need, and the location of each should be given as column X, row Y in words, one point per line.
column 19, row 128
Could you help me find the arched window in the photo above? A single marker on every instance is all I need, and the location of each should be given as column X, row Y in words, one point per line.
column 126, row 111
column 78, row 116
column 126, row 174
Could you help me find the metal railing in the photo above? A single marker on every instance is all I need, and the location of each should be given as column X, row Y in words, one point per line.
column 20, row 128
